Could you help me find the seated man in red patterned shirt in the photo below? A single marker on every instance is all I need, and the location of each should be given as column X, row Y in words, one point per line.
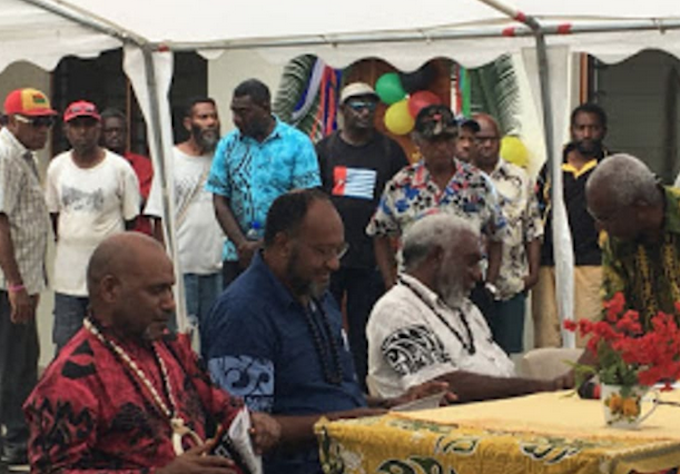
column 122, row 396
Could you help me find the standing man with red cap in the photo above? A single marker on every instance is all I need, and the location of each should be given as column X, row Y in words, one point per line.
column 91, row 193
column 24, row 227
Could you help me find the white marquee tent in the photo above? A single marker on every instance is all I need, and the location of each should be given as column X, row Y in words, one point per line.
column 406, row 34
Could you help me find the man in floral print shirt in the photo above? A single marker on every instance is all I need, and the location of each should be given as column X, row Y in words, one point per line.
column 438, row 182
column 522, row 243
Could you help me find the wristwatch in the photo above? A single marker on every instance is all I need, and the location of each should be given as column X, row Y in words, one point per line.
column 492, row 289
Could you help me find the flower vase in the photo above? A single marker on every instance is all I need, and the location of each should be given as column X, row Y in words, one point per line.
column 623, row 405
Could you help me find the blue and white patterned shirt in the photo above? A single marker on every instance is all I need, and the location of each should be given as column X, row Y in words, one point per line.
column 253, row 174
column 259, row 346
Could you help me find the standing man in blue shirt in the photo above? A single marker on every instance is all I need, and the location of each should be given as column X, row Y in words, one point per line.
column 253, row 165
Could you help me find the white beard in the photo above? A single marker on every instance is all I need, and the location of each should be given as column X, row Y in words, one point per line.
column 451, row 291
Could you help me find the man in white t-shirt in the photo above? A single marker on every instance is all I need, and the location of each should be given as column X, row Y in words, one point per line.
column 199, row 236
column 425, row 327
column 91, row 194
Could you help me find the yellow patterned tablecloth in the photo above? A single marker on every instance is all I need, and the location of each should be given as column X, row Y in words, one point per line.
column 548, row 433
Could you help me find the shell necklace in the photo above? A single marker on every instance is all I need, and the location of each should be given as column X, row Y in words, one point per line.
column 179, row 428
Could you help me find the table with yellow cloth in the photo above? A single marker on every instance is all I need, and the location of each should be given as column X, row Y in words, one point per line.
column 549, row 433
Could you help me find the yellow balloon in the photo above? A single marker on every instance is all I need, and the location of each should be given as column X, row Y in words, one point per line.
column 398, row 120
column 514, row 151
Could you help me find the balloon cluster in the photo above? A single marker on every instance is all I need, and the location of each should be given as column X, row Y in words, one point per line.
column 403, row 108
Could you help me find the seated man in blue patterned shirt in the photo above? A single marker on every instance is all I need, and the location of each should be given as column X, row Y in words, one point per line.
column 253, row 165
column 275, row 336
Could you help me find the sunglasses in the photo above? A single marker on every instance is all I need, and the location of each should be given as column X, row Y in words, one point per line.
column 37, row 122
column 358, row 106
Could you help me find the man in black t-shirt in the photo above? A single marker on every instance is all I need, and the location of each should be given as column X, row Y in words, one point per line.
column 355, row 164
column 580, row 158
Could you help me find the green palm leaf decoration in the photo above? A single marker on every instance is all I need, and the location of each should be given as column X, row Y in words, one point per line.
column 293, row 83
column 496, row 92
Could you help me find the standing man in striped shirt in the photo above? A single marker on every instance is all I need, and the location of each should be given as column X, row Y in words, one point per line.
column 355, row 164
column 24, row 226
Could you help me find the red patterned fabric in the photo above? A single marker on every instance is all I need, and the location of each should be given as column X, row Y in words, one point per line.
column 144, row 171
column 90, row 414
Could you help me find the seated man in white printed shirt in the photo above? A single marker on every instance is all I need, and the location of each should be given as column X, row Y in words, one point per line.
column 426, row 328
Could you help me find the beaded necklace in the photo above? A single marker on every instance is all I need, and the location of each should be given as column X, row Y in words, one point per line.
column 179, row 428
column 469, row 347
column 332, row 375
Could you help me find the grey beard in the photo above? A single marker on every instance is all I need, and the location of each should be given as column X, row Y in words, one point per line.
column 207, row 140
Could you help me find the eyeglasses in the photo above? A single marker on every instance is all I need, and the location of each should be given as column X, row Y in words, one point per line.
column 358, row 106
column 37, row 122
column 329, row 253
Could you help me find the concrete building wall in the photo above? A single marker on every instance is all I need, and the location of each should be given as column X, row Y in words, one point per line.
column 229, row 70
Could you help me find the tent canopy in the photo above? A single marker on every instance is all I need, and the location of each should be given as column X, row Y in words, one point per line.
column 398, row 31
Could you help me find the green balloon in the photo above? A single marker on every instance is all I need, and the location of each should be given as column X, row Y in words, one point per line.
column 389, row 88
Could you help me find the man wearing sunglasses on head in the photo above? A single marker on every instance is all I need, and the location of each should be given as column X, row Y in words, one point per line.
column 355, row 164
column 24, row 227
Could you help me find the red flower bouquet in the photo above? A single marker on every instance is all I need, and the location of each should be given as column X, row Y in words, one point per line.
column 627, row 355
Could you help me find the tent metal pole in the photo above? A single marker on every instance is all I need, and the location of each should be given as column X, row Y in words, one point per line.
column 166, row 182
column 544, row 80
column 561, row 246
column 155, row 123
column 87, row 19
column 426, row 35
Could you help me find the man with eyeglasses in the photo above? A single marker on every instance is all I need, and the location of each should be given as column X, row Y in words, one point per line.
column 522, row 239
column 355, row 164
column 24, row 227
column 438, row 182
column 91, row 193
column 275, row 335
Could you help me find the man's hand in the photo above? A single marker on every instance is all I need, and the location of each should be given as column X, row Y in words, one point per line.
column 23, row 306
column 198, row 460
column 563, row 382
column 265, row 433
column 425, row 390
column 246, row 251
column 530, row 281
column 355, row 413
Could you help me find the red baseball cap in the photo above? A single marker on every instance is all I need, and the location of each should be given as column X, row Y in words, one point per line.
column 29, row 102
column 81, row 108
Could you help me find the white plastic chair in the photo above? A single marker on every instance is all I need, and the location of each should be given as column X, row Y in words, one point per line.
column 547, row 363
